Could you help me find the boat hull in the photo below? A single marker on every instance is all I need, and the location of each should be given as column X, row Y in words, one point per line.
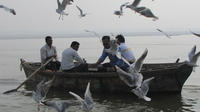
column 169, row 77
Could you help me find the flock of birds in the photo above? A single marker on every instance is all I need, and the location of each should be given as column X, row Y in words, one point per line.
column 142, row 10
column 39, row 95
column 134, row 6
column 133, row 77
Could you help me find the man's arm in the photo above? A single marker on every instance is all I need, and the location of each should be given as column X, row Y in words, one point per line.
column 100, row 60
column 77, row 57
column 43, row 55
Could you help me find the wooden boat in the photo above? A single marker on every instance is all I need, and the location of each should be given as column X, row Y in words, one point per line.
column 169, row 77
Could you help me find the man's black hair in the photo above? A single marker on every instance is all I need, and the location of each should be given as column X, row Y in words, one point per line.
column 74, row 43
column 120, row 38
column 106, row 37
column 48, row 37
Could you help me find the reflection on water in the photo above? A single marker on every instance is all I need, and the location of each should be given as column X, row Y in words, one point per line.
column 187, row 101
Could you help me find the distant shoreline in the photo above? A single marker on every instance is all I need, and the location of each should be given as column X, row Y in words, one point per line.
column 88, row 35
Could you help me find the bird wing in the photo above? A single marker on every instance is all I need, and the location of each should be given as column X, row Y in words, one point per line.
column 88, row 97
column 114, row 45
column 64, row 4
column 194, row 59
column 121, row 7
column 126, row 77
column 139, row 61
column 196, row 34
column 137, row 92
column 81, row 12
column 163, row 33
column 136, row 3
column 53, row 105
column 78, row 98
column 138, row 77
column 1, row 6
column 64, row 106
column 139, row 9
column 58, row 2
column 145, row 85
column 192, row 53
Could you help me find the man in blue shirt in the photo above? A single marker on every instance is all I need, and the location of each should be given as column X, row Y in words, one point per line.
column 125, row 52
column 114, row 60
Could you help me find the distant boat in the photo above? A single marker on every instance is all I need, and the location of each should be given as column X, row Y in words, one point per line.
column 169, row 77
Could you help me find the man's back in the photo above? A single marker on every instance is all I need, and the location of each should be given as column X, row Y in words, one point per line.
column 68, row 57
column 126, row 52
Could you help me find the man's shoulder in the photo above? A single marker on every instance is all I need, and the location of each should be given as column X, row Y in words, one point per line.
column 123, row 45
column 43, row 47
column 69, row 50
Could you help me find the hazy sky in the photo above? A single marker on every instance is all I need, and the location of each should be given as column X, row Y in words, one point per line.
column 40, row 17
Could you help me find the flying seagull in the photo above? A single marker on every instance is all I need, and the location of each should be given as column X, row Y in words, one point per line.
column 148, row 13
column 134, row 5
column 62, row 108
column 133, row 78
column 196, row 34
column 61, row 8
column 141, row 10
column 41, row 90
column 86, row 103
column 8, row 9
column 193, row 57
column 81, row 12
column 142, row 91
column 93, row 32
column 120, row 12
column 163, row 33
column 113, row 47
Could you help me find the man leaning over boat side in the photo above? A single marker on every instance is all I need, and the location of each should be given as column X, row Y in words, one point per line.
column 48, row 51
column 114, row 60
column 125, row 52
column 70, row 55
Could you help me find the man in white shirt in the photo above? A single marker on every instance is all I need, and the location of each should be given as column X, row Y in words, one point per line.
column 125, row 52
column 69, row 55
column 48, row 51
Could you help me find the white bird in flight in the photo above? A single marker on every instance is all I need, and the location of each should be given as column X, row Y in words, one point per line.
column 193, row 57
column 62, row 108
column 133, row 78
column 196, row 34
column 62, row 7
column 113, row 47
column 142, row 91
column 134, row 5
column 148, row 13
column 141, row 10
column 8, row 9
column 81, row 12
column 86, row 103
column 42, row 89
column 93, row 32
column 120, row 12
column 163, row 33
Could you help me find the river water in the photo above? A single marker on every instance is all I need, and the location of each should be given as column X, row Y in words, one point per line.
column 161, row 49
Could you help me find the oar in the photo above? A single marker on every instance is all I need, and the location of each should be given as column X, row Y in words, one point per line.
column 14, row 90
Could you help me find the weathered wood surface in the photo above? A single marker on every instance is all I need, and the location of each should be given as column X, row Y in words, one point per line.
column 169, row 77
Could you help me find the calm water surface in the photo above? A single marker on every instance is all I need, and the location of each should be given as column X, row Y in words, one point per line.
column 161, row 49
